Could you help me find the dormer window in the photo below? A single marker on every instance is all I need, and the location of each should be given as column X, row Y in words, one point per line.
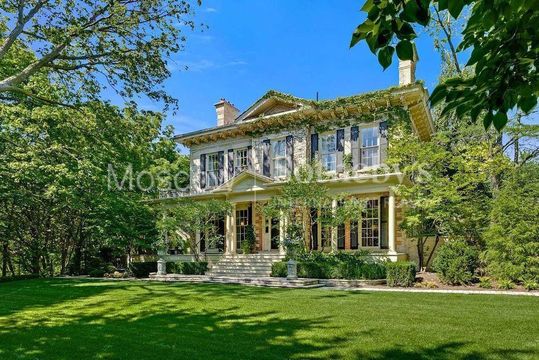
column 370, row 147
column 279, row 158
column 328, row 152
column 212, row 170
column 241, row 160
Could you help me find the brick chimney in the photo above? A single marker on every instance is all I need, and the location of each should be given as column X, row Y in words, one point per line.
column 226, row 112
column 407, row 70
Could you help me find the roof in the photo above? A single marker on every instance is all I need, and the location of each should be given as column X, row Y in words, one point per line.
column 412, row 97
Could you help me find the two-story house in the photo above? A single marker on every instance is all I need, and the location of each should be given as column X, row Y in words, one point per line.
column 248, row 157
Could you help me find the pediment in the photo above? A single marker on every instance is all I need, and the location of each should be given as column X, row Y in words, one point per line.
column 246, row 181
column 272, row 105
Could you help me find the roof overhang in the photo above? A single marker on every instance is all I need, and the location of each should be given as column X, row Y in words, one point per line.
column 412, row 97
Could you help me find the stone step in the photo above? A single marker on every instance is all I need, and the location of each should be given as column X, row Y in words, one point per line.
column 239, row 274
column 253, row 280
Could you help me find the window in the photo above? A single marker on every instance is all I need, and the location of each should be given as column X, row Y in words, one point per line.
column 212, row 170
column 328, row 153
column 240, row 161
column 370, row 147
column 242, row 220
column 279, row 158
column 370, row 225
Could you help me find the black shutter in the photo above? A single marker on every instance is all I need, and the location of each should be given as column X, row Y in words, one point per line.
column 249, row 157
column 250, row 214
column 354, row 235
column 202, row 171
column 354, row 141
column 314, row 146
column 340, row 150
column 290, row 155
column 221, row 169
column 314, row 229
column 266, row 168
column 340, row 237
column 230, row 164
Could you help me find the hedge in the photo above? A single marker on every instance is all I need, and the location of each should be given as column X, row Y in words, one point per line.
column 143, row 269
column 317, row 265
column 400, row 273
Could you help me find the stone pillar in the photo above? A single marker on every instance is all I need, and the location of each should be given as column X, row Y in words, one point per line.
column 391, row 224
column 161, row 267
column 334, row 228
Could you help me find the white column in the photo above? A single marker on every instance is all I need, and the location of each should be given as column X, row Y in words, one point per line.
column 231, row 231
column 334, row 228
column 391, row 224
column 282, row 228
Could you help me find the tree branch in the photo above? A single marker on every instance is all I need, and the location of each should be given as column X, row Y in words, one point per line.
column 22, row 20
column 449, row 40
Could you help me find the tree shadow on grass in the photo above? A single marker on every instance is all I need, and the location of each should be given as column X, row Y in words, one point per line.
column 446, row 351
column 223, row 334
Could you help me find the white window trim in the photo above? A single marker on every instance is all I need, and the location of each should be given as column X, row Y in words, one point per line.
column 207, row 171
column 273, row 158
column 236, row 169
column 360, row 228
column 360, row 146
column 320, row 153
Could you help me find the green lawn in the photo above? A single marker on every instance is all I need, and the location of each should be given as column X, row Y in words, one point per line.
column 68, row 319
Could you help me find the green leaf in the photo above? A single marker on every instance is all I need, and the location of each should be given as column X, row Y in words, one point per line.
column 487, row 120
column 410, row 11
column 500, row 120
column 455, row 7
column 474, row 113
column 527, row 103
column 385, row 56
column 477, row 54
column 438, row 94
column 367, row 6
column 405, row 50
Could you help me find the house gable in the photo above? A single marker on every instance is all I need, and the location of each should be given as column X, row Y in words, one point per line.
column 273, row 103
column 245, row 181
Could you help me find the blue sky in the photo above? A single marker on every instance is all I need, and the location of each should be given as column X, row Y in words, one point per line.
column 298, row 47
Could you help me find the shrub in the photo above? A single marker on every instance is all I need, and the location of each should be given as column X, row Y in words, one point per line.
column 143, row 269
column 400, row 273
column 339, row 265
column 97, row 272
column 506, row 284
column 531, row 285
column 314, row 270
column 485, row 283
column 456, row 262
column 193, row 268
column 172, row 267
column 512, row 246
column 279, row 269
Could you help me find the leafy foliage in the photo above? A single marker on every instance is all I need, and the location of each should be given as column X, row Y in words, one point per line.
column 86, row 44
column 179, row 223
column 400, row 273
column 512, row 239
column 456, row 262
column 501, row 35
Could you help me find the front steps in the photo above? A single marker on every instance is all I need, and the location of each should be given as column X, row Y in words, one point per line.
column 251, row 281
column 245, row 265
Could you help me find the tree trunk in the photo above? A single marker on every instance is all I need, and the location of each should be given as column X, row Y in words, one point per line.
column 432, row 251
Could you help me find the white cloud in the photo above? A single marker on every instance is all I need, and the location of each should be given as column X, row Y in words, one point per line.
column 202, row 65
column 210, row 10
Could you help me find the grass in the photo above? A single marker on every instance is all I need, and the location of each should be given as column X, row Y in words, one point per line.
column 79, row 319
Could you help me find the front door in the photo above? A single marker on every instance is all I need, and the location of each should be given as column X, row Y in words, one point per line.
column 242, row 221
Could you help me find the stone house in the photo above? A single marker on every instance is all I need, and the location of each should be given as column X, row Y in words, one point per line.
column 248, row 156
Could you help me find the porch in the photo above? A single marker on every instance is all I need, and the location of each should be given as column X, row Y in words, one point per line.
column 375, row 232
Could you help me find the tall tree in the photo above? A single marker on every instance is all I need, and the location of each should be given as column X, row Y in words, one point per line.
column 88, row 45
column 504, row 44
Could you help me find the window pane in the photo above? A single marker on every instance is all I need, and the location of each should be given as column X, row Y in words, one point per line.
column 369, row 137
column 369, row 225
